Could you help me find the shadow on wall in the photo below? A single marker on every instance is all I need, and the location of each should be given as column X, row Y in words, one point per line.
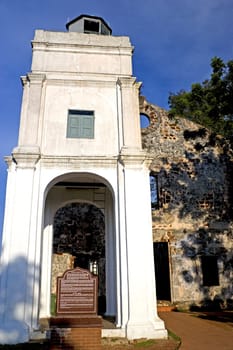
column 19, row 279
column 212, row 266
column 199, row 189
column 200, row 182
column 194, row 170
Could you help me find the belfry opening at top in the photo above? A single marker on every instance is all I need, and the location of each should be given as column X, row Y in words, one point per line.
column 89, row 25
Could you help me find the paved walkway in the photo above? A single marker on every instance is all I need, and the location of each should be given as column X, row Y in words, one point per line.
column 197, row 333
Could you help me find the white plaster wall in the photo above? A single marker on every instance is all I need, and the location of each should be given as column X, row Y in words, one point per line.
column 59, row 99
column 81, row 53
column 77, row 71
column 20, row 259
column 83, row 72
column 44, row 122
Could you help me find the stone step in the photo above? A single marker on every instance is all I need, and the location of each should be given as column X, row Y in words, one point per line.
column 37, row 335
column 165, row 306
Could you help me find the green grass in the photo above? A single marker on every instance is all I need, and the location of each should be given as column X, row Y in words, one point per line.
column 144, row 343
column 174, row 337
column 53, row 304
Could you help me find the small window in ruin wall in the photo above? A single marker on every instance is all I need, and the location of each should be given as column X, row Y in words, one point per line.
column 144, row 120
column 154, row 191
column 209, row 265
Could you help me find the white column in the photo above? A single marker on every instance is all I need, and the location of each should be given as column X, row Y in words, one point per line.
column 18, row 273
column 30, row 111
column 46, row 262
column 121, row 252
column 143, row 321
column 110, row 257
column 130, row 113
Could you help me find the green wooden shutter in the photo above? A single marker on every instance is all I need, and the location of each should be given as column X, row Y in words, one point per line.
column 80, row 124
column 74, row 127
column 87, row 127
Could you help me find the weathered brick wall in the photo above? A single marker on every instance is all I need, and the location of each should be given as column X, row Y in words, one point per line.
column 194, row 214
column 75, row 338
column 79, row 233
column 60, row 263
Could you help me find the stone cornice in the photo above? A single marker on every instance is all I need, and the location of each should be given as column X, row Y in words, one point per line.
column 126, row 81
column 26, row 157
column 72, row 162
column 78, row 81
column 131, row 158
column 51, row 39
column 33, row 78
column 75, row 48
column 9, row 161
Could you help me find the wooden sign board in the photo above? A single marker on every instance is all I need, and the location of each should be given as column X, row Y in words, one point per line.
column 77, row 293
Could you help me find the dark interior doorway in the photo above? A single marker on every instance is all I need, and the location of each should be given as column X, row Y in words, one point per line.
column 162, row 271
column 79, row 241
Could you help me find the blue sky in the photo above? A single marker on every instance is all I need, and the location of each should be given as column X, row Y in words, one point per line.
column 174, row 42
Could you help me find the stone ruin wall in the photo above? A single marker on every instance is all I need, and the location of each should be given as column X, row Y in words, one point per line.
column 60, row 264
column 79, row 237
column 194, row 213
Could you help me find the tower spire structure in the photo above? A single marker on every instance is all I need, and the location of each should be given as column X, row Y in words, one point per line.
column 79, row 142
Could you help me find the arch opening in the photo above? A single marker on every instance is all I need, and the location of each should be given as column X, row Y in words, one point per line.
column 144, row 120
column 79, row 206
column 79, row 241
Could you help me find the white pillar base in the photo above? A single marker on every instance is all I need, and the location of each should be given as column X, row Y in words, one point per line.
column 149, row 330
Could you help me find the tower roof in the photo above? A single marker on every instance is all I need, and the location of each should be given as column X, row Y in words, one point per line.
column 89, row 24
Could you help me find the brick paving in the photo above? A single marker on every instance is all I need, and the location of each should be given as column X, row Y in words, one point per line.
column 124, row 344
column 198, row 331
column 201, row 331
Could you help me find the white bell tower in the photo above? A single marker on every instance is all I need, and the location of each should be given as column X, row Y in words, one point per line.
column 79, row 132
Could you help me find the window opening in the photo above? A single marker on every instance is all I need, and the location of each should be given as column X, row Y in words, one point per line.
column 209, row 265
column 91, row 26
column 80, row 124
column 93, row 267
column 144, row 120
column 154, row 191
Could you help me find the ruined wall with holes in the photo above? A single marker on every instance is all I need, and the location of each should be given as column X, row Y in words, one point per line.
column 194, row 211
column 79, row 240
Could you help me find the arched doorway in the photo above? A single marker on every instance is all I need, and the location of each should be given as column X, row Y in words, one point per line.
column 79, row 241
column 95, row 196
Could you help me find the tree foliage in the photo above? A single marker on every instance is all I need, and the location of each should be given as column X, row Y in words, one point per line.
column 209, row 103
